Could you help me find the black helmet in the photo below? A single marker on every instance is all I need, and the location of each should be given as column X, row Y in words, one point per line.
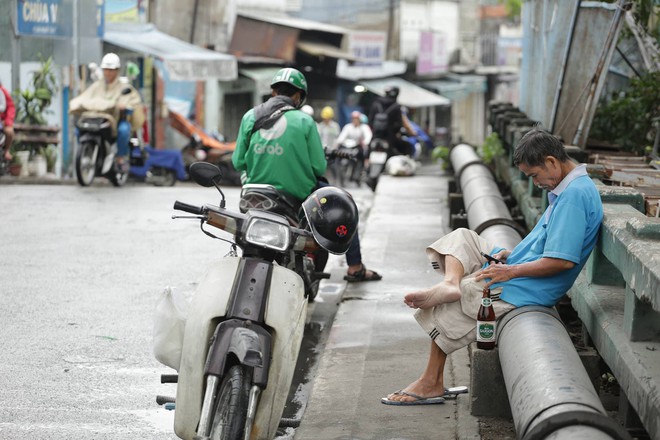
column 333, row 217
column 392, row 92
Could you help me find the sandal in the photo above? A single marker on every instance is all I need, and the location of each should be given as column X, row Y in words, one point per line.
column 361, row 275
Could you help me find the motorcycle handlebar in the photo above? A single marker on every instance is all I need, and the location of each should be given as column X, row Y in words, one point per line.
column 180, row 206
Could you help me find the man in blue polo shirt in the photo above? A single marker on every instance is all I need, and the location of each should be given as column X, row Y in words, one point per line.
column 538, row 271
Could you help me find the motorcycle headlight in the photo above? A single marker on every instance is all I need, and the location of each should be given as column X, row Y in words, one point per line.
column 271, row 235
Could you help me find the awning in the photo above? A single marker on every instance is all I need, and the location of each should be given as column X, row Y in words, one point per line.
column 410, row 95
column 294, row 22
column 262, row 76
column 457, row 87
column 183, row 61
column 325, row 50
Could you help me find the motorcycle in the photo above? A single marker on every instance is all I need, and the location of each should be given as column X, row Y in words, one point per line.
column 245, row 322
column 158, row 167
column 98, row 148
column 379, row 152
column 196, row 150
column 347, row 164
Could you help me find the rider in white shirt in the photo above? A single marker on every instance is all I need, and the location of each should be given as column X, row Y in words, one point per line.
column 354, row 133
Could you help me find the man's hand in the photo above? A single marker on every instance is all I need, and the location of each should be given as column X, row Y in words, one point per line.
column 497, row 273
column 543, row 267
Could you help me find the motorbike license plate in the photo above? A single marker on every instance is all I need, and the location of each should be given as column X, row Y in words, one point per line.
column 377, row 157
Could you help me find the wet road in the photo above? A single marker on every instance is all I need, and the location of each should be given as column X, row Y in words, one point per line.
column 81, row 270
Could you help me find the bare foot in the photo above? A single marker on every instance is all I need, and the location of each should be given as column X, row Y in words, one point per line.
column 418, row 388
column 433, row 296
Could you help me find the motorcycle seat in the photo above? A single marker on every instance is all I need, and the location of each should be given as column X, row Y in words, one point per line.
column 268, row 198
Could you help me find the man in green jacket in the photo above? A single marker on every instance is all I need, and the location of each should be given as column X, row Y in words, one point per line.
column 279, row 145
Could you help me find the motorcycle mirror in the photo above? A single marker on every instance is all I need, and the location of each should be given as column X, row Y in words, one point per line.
column 205, row 174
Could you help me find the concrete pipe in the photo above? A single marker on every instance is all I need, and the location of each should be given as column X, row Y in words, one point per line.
column 487, row 213
column 550, row 393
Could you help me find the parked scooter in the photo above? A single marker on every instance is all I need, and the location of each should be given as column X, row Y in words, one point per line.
column 158, row 167
column 97, row 148
column 245, row 322
column 379, row 152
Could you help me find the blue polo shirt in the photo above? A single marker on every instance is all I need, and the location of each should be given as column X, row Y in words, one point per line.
column 567, row 230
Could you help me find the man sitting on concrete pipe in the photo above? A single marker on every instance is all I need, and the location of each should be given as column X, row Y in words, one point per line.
column 538, row 271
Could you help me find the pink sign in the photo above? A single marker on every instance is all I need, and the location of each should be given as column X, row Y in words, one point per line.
column 432, row 57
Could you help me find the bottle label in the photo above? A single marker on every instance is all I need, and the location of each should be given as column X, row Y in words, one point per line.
column 486, row 331
column 486, row 302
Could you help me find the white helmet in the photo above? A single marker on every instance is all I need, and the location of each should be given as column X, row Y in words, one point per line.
column 307, row 109
column 110, row 61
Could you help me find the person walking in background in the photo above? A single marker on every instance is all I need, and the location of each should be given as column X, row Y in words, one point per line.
column 538, row 271
column 7, row 116
column 328, row 128
column 279, row 145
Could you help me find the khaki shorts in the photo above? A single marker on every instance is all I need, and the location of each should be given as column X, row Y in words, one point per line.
column 453, row 326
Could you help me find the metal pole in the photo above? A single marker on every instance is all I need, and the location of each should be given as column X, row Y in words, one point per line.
column 74, row 89
column 15, row 51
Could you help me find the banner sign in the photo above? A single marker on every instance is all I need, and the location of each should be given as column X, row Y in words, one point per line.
column 368, row 47
column 43, row 18
column 433, row 57
column 54, row 18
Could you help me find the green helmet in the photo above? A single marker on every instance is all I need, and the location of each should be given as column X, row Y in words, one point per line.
column 293, row 77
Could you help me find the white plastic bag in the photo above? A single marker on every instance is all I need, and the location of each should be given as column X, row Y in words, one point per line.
column 169, row 323
column 401, row 166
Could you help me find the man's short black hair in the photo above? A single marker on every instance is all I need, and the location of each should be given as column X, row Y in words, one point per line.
column 536, row 145
column 285, row 89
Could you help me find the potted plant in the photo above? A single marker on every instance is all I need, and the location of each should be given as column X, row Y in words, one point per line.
column 16, row 165
column 32, row 103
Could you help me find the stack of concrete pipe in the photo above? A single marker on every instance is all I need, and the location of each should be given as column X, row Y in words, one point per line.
column 487, row 212
column 550, row 393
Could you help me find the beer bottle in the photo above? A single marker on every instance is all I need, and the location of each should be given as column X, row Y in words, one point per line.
column 486, row 325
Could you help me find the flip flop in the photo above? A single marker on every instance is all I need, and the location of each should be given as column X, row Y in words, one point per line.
column 419, row 400
column 361, row 275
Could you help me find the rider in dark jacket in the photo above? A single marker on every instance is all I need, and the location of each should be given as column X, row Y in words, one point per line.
column 396, row 119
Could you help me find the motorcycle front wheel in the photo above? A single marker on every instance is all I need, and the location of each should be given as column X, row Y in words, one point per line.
column 86, row 163
column 232, row 404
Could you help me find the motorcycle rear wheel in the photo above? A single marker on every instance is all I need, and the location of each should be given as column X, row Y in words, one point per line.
column 86, row 163
column 232, row 404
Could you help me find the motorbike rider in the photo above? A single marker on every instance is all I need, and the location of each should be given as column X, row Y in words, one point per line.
column 7, row 115
column 328, row 128
column 354, row 131
column 110, row 92
column 396, row 120
column 279, row 145
column 355, row 134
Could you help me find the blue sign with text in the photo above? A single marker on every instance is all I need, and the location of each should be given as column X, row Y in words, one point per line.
column 42, row 18
column 54, row 18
